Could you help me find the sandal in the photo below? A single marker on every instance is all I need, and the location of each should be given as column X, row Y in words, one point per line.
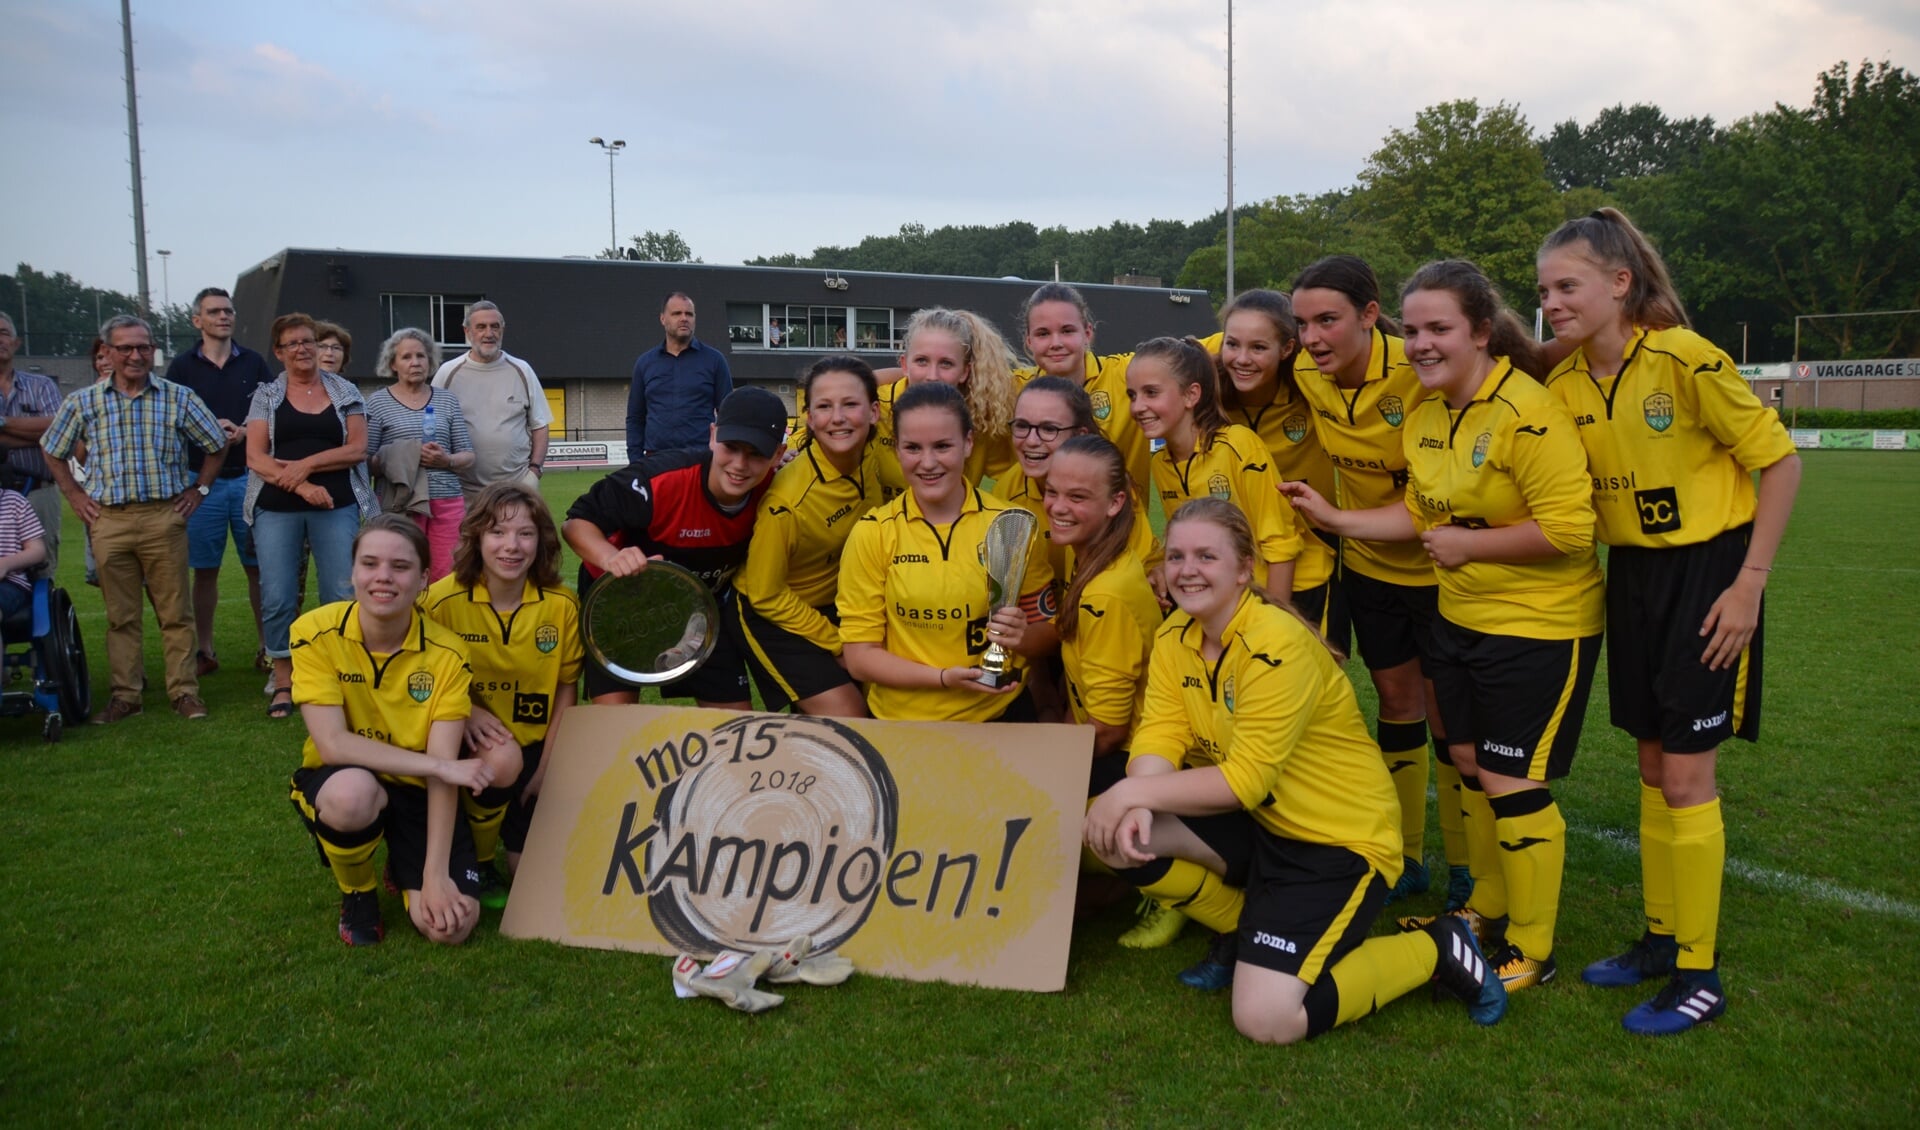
column 281, row 708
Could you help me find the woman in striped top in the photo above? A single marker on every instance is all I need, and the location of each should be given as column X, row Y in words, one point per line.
column 413, row 427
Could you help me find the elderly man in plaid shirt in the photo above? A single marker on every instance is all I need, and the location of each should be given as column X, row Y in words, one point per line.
column 138, row 496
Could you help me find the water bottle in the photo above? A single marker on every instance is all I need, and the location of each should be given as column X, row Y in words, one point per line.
column 428, row 434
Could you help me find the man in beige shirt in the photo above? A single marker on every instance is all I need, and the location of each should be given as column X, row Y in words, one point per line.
column 501, row 398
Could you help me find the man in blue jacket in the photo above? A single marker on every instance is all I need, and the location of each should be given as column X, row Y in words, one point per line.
column 677, row 387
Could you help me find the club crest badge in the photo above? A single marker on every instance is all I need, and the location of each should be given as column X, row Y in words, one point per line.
column 546, row 638
column 1295, row 426
column 1393, row 410
column 1226, row 694
column 420, row 686
column 1659, row 411
column 1220, row 488
column 1102, row 405
column 1480, row 445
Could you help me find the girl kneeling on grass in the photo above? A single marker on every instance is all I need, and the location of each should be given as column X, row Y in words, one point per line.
column 1497, row 496
column 522, row 629
column 383, row 691
column 1673, row 436
column 1285, row 799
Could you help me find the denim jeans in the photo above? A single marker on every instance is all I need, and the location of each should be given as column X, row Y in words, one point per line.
column 277, row 538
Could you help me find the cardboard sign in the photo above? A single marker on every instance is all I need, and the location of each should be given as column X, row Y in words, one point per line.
column 927, row 851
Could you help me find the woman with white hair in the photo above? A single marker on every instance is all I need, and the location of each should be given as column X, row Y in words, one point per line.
column 417, row 435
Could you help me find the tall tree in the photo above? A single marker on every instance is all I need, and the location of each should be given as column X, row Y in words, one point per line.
column 657, row 247
column 1277, row 238
column 1622, row 142
column 1465, row 182
column 1805, row 211
column 62, row 314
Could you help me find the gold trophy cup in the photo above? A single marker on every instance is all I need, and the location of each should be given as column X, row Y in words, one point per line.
column 1009, row 536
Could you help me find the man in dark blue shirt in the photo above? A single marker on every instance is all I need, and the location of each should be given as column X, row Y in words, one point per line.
column 677, row 387
column 224, row 373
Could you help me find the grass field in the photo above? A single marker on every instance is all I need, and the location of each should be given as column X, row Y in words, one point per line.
column 167, row 948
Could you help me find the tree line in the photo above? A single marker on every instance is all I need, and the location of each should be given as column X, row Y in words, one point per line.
column 1791, row 211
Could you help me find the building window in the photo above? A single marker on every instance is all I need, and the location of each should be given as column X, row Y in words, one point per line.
column 746, row 324
column 441, row 315
column 830, row 328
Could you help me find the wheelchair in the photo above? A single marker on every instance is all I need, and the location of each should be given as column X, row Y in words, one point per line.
column 45, row 654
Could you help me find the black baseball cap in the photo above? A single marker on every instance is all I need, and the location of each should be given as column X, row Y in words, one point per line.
column 752, row 416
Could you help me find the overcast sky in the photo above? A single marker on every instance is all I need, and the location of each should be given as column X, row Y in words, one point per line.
column 762, row 126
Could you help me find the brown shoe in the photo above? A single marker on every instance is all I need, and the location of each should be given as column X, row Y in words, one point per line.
column 117, row 709
column 190, row 707
column 204, row 664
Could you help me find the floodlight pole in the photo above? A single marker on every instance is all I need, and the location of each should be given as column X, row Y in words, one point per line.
column 1229, row 295
column 166, row 298
column 612, row 148
column 133, row 149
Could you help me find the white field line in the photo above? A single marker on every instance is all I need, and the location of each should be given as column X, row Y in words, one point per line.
column 1784, row 881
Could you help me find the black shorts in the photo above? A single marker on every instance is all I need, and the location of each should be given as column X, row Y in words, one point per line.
column 1656, row 683
column 787, row 668
column 404, row 824
column 1391, row 621
column 1021, row 709
column 1308, row 905
column 519, row 816
column 1519, row 701
column 722, row 678
column 1326, row 605
column 1231, row 835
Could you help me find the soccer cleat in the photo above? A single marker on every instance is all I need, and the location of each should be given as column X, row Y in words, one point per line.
column 1459, row 888
column 1158, row 927
column 360, row 922
column 1215, row 971
column 798, row 964
column 1691, row 996
column 1463, row 970
column 1489, row 931
column 1413, row 881
column 387, row 881
column 493, row 889
column 729, row 978
column 1648, row 959
column 1518, row 971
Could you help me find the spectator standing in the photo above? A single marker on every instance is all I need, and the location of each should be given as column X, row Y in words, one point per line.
column 417, row 435
column 138, row 499
column 27, row 401
column 224, row 374
column 505, row 407
column 677, row 387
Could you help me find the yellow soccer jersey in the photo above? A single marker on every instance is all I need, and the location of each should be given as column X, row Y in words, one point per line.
column 1509, row 456
column 1286, row 426
column 1017, row 488
column 1106, row 660
column 1279, row 717
column 1105, row 380
column 1237, row 467
column 1671, row 441
column 793, row 562
column 395, row 698
column 921, row 591
column 519, row 660
column 1360, row 431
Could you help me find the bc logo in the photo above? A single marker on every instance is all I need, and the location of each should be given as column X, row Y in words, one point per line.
column 1659, row 411
column 1659, row 510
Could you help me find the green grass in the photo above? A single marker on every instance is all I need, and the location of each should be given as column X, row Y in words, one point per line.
column 167, row 951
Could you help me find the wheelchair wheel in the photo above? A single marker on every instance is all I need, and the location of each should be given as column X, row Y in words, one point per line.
column 67, row 658
column 53, row 727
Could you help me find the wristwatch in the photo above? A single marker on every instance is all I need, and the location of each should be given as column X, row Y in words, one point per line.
column 203, row 488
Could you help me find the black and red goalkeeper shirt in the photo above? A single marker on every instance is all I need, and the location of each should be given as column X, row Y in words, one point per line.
column 661, row 505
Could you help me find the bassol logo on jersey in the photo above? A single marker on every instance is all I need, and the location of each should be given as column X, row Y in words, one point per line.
column 1480, row 444
column 420, row 686
column 1102, row 405
column 1659, row 411
column 1393, row 410
column 1295, row 426
column 546, row 638
column 1220, row 488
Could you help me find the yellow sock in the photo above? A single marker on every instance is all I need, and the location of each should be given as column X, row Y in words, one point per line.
column 1699, row 860
column 1533, row 857
column 485, row 812
column 1381, row 970
column 1453, row 829
column 1656, row 859
column 351, row 864
column 1403, row 746
column 1489, row 882
column 1199, row 894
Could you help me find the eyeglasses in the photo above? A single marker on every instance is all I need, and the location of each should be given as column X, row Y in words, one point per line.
column 130, row 350
column 303, row 343
column 1047, row 432
column 331, row 347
